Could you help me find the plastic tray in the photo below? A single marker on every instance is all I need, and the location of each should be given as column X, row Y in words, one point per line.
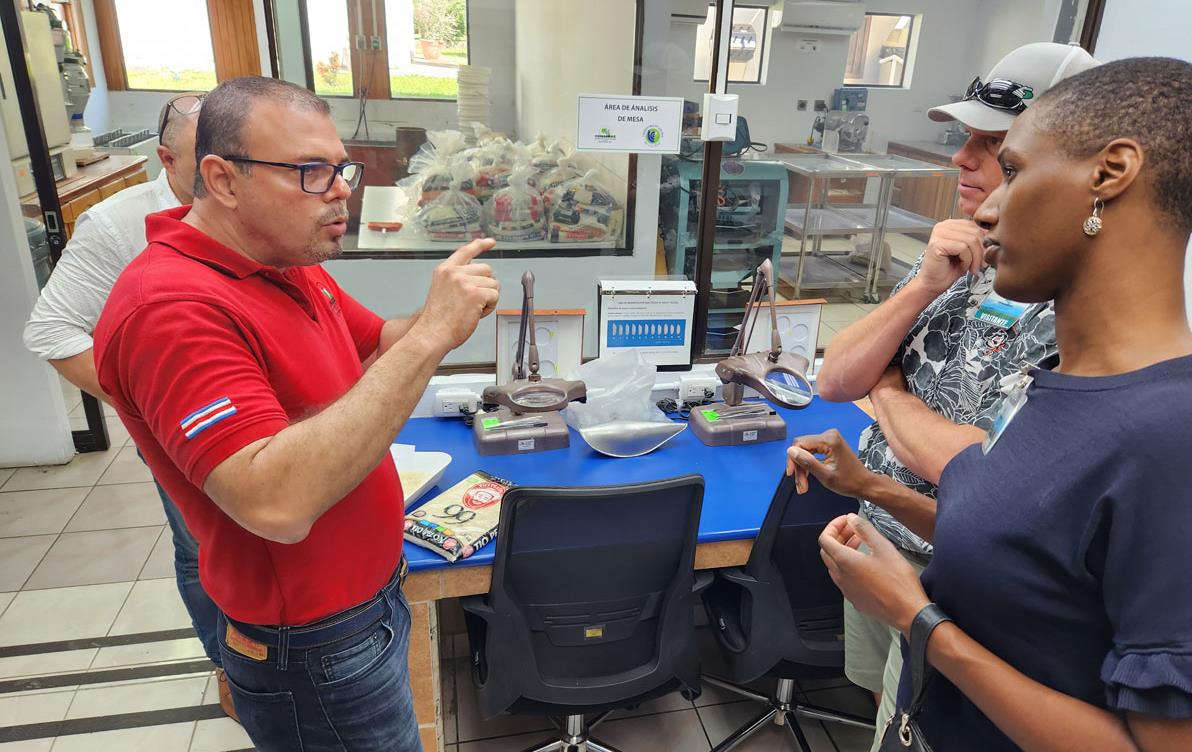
column 419, row 471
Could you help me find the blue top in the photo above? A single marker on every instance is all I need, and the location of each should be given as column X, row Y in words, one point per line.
column 739, row 481
column 1065, row 550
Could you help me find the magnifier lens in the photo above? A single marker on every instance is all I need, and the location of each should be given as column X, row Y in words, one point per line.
column 788, row 389
column 539, row 395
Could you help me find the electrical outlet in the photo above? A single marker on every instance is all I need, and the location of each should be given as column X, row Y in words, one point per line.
column 821, row 105
column 695, row 388
column 801, row 105
column 455, row 402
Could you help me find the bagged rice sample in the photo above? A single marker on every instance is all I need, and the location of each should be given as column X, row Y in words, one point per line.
column 582, row 210
column 494, row 165
column 430, row 169
column 460, row 521
column 516, row 213
column 455, row 215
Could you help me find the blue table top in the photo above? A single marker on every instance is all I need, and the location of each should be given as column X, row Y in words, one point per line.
column 739, row 481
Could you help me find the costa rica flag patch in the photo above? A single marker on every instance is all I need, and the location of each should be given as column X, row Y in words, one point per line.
column 205, row 417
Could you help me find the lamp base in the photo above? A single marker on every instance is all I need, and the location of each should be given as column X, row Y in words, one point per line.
column 502, row 432
column 719, row 424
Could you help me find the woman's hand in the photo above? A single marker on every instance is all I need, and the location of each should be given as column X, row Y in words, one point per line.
column 880, row 583
column 840, row 471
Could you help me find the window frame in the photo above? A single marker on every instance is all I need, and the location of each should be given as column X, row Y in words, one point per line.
column 308, row 62
column 910, row 34
column 234, row 46
column 763, row 48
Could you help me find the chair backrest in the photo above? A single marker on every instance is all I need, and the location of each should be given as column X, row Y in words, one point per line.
column 786, row 555
column 596, row 585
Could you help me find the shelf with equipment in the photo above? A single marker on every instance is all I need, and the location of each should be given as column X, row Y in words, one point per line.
column 750, row 225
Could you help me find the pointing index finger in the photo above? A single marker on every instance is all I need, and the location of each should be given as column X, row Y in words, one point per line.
column 465, row 254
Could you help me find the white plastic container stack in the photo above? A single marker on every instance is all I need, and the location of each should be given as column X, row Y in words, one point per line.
column 474, row 102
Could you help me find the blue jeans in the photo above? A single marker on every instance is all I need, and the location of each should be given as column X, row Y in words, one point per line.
column 203, row 611
column 341, row 684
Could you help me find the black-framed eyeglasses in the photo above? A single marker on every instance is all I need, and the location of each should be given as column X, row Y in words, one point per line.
column 186, row 104
column 1000, row 94
column 316, row 177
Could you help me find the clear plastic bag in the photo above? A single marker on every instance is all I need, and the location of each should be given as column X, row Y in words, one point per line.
column 565, row 170
column 583, row 210
column 455, row 215
column 545, row 159
column 619, row 389
column 620, row 418
column 516, row 213
column 431, row 168
column 494, row 165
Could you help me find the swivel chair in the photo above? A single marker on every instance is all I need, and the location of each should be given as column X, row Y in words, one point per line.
column 781, row 615
column 591, row 606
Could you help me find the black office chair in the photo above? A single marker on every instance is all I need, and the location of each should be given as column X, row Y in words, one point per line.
column 781, row 615
column 591, row 604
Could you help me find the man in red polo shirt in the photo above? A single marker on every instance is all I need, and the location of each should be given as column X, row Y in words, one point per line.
column 264, row 399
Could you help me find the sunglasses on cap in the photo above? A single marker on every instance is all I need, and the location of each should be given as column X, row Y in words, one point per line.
column 1000, row 94
column 186, row 104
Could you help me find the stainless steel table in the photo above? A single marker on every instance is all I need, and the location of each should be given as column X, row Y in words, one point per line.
column 818, row 219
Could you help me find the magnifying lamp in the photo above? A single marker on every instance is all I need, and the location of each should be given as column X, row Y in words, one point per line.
column 778, row 376
column 527, row 417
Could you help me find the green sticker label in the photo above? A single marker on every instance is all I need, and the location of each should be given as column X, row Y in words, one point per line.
column 711, row 416
column 488, row 423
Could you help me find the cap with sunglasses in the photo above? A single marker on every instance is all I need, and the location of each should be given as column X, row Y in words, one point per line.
column 992, row 103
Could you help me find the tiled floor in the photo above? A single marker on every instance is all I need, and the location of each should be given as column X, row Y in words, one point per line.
column 86, row 586
column 669, row 723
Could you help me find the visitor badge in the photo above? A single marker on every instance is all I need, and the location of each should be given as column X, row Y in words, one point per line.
column 1015, row 387
column 1000, row 312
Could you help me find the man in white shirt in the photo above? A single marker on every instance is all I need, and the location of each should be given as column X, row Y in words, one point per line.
column 107, row 237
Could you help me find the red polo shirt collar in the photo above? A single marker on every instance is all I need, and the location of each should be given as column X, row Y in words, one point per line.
column 166, row 227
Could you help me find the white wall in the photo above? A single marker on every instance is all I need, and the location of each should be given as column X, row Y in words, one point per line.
column 554, row 66
column 1008, row 24
column 1157, row 27
column 34, row 429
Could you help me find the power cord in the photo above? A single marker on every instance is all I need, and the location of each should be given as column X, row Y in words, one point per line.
column 680, row 410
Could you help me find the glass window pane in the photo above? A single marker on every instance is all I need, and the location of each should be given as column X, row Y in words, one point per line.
column 427, row 42
column 330, row 47
column 879, row 51
column 169, row 62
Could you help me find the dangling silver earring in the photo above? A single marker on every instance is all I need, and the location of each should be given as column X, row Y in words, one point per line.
column 1092, row 225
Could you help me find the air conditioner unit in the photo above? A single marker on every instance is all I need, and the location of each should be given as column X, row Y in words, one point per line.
column 822, row 17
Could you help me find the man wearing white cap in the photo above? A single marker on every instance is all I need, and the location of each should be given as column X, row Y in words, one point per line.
column 932, row 357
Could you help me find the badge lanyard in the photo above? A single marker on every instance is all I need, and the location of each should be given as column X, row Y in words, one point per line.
column 1014, row 386
column 1000, row 312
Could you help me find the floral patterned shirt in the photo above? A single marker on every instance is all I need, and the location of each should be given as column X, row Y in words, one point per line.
column 955, row 364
